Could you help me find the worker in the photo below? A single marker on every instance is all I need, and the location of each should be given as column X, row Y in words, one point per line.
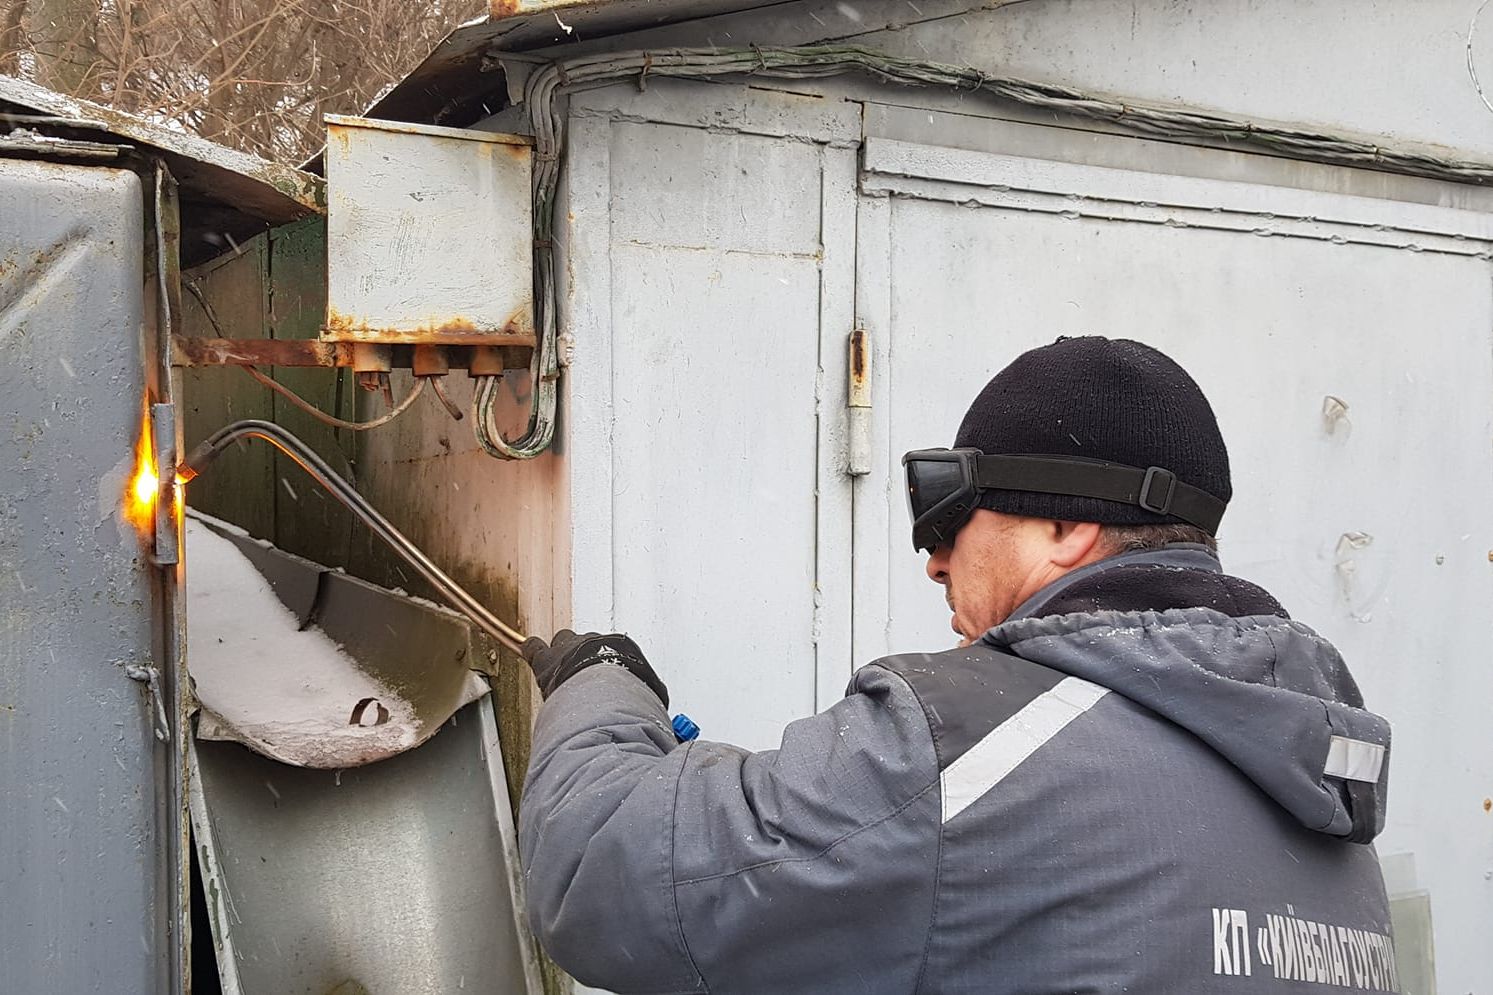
column 1135, row 773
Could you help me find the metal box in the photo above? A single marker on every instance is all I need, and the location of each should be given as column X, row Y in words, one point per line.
column 84, row 823
column 429, row 234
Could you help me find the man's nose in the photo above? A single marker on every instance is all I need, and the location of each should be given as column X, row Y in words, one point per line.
column 938, row 565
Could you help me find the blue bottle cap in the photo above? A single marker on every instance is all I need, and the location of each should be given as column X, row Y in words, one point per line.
column 684, row 728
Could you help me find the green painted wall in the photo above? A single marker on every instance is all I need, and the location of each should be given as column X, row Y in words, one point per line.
column 274, row 286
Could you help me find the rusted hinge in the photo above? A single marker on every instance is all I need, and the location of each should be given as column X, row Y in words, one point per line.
column 167, row 501
column 858, row 400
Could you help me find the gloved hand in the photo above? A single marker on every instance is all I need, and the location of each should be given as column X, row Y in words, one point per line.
column 568, row 654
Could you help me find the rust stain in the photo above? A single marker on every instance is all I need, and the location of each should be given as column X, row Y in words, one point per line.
column 518, row 330
column 858, row 356
column 858, row 394
column 1488, row 804
column 499, row 9
column 430, row 361
column 372, row 358
column 520, row 323
column 520, row 152
column 487, row 361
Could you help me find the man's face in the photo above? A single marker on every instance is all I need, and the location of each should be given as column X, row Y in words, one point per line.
column 997, row 561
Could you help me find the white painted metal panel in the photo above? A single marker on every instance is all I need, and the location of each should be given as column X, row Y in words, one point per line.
column 1371, row 526
column 1379, row 67
column 713, row 484
column 429, row 233
column 710, row 516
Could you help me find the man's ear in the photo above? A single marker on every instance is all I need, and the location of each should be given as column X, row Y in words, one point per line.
column 1074, row 544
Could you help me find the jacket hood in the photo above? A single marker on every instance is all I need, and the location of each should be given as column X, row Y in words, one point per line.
column 1217, row 656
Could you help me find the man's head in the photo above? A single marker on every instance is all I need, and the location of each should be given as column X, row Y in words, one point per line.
column 1076, row 451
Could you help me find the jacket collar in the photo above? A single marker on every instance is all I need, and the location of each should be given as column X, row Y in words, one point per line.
column 1177, row 556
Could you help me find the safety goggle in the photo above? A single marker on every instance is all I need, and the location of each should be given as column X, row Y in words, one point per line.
column 944, row 485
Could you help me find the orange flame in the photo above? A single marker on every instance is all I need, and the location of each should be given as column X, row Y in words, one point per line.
column 144, row 487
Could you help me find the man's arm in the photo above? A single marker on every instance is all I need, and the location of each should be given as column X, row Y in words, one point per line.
column 654, row 867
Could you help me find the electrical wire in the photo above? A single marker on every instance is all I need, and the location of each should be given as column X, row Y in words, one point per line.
column 438, row 383
column 309, row 461
column 489, row 436
column 298, row 400
column 333, row 420
column 1477, row 84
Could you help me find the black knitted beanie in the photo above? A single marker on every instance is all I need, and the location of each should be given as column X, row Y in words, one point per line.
column 1107, row 399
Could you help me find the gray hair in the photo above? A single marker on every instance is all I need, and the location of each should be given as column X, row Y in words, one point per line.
column 1135, row 538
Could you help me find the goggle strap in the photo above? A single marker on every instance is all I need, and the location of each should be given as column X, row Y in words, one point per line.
column 1154, row 489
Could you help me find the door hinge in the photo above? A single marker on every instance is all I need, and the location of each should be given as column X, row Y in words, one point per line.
column 858, row 401
column 167, row 499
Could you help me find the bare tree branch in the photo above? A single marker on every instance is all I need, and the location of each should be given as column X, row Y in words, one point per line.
column 255, row 74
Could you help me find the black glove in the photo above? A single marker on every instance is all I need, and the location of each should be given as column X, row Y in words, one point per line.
column 568, row 654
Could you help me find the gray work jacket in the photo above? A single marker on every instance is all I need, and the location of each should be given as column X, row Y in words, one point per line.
column 1149, row 779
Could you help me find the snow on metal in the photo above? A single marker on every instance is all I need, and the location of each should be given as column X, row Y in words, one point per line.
column 269, row 191
column 283, row 685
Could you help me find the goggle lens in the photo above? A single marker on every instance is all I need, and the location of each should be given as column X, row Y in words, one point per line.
column 940, row 494
column 929, row 482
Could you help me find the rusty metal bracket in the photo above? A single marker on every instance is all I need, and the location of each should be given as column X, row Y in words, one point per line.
column 194, row 351
column 457, row 331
